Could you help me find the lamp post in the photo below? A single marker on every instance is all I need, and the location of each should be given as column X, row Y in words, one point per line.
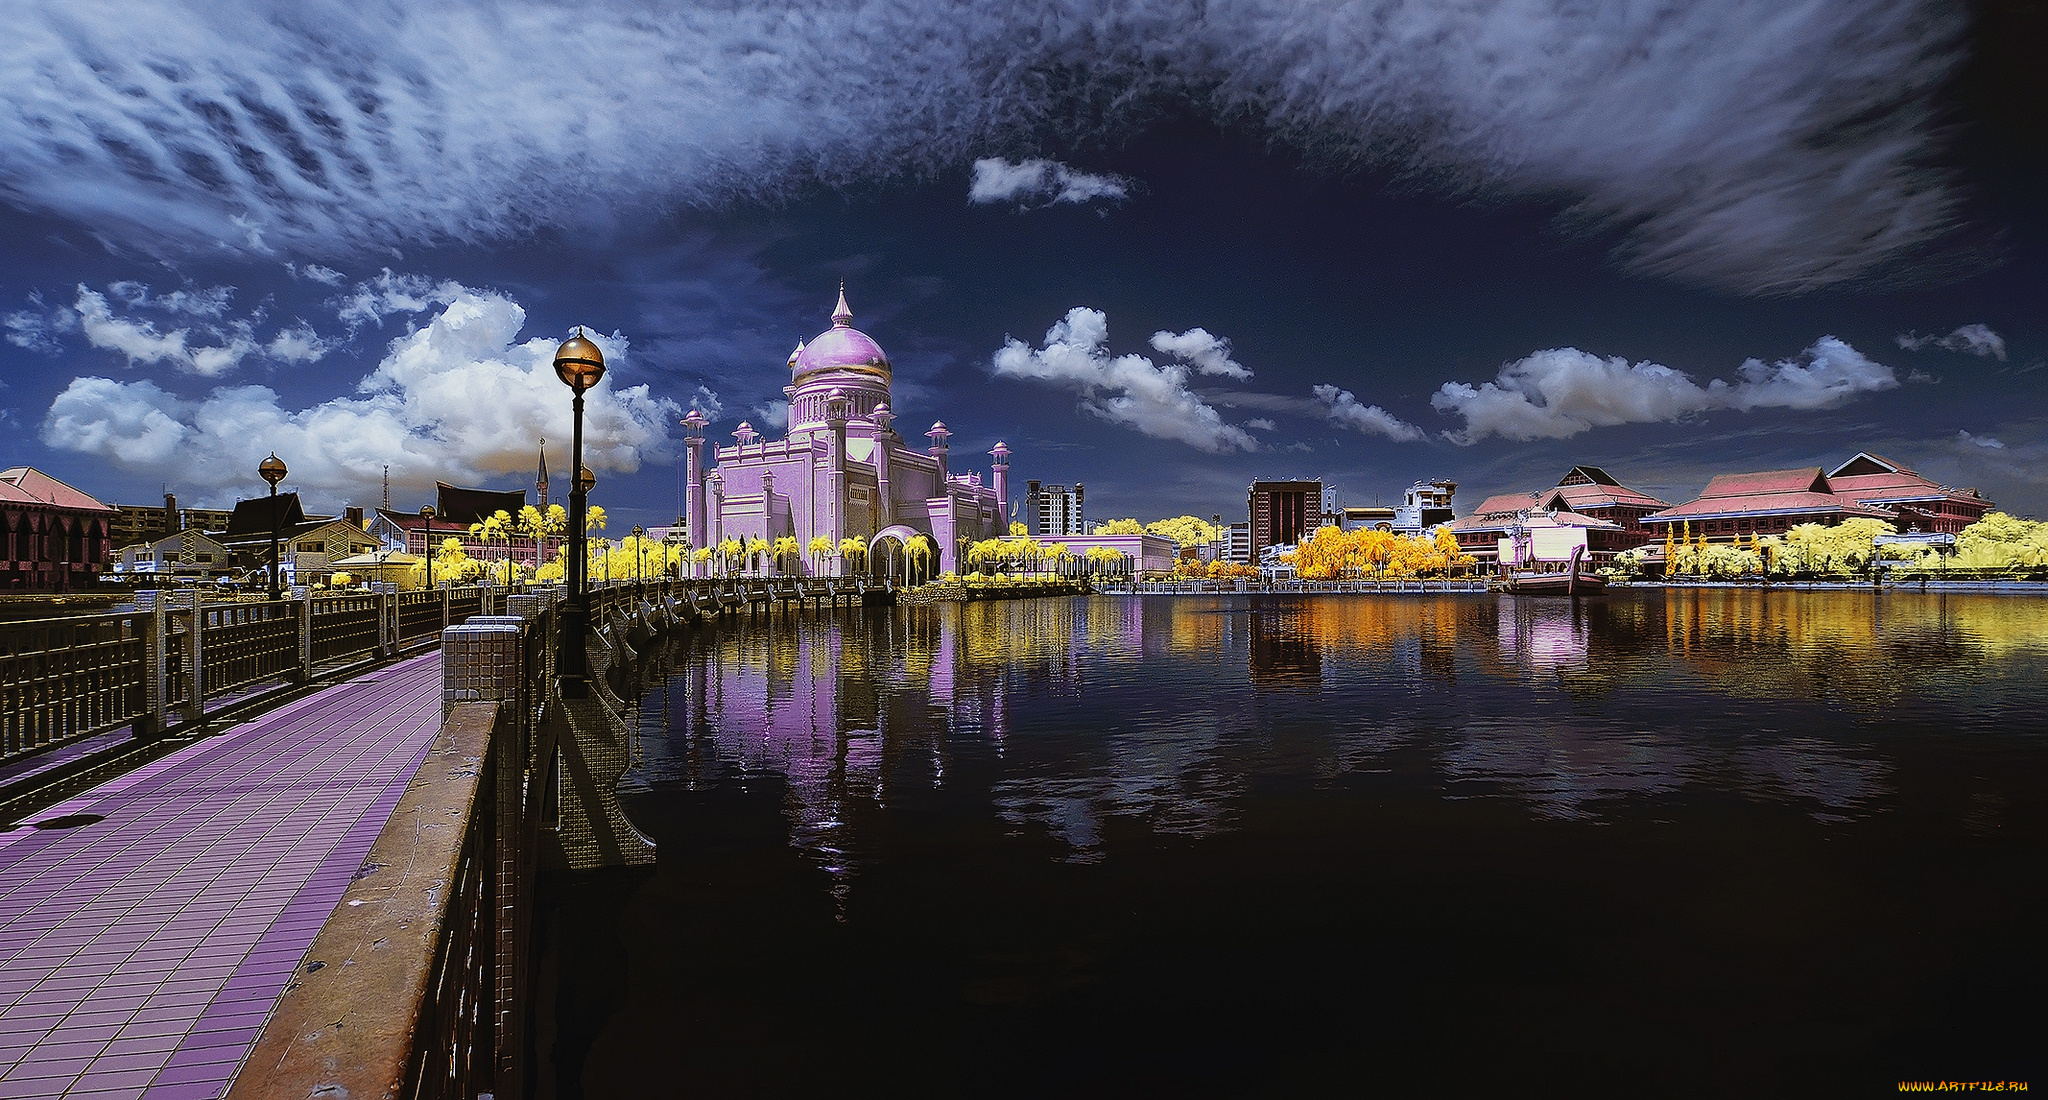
column 639, row 555
column 273, row 471
column 587, row 481
column 579, row 364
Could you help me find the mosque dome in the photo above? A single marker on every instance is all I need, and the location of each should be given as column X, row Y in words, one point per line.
column 840, row 348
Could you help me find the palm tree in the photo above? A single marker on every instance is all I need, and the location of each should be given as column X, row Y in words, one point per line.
column 785, row 546
column 820, row 548
column 729, row 551
column 756, row 546
column 917, row 551
column 853, row 550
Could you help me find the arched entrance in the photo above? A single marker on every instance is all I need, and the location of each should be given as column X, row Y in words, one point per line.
column 889, row 553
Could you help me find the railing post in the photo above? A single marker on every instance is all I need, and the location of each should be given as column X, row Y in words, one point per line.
column 387, row 623
column 156, row 668
column 195, row 696
column 305, row 609
column 447, row 594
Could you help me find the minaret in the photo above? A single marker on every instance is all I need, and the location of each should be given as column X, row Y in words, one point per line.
column 540, row 483
column 1001, row 481
column 842, row 314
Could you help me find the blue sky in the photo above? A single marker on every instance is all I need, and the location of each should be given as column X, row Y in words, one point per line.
column 1158, row 248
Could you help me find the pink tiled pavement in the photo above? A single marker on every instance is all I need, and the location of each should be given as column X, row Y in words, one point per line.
column 140, row 954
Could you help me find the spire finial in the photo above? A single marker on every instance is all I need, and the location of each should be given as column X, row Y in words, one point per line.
column 842, row 317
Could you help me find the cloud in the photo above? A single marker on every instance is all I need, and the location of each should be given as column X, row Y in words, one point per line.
column 1209, row 354
column 774, row 415
column 1261, row 424
column 325, row 276
column 298, row 344
column 1345, row 410
column 372, row 301
column 1750, row 145
column 1127, row 389
column 1562, row 392
column 1975, row 339
column 38, row 329
column 209, row 302
column 1040, row 183
column 421, row 410
column 707, row 402
column 210, row 344
column 1984, row 441
column 142, row 344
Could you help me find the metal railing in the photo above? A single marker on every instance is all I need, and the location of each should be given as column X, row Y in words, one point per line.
column 66, row 679
column 438, row 1009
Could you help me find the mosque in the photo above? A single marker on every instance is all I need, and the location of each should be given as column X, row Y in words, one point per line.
column 841, row 470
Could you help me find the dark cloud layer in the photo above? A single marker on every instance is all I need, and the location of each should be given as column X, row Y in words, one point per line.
column 1758, row 146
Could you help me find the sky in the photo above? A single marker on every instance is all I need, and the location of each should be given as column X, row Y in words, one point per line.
column 1159, row 248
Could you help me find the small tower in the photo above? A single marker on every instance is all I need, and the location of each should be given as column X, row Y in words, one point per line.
column 540, row 481
column 938, row 434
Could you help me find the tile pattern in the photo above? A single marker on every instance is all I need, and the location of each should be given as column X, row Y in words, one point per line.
column 141, row 953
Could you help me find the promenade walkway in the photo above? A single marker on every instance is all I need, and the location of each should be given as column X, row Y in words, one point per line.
column 149, row 925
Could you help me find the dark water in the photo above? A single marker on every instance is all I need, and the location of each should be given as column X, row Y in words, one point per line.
column 1695, row 844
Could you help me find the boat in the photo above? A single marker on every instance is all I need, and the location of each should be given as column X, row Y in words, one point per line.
column 1570, row 582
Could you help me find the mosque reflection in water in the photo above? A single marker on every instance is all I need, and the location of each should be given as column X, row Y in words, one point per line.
column 1061, row 716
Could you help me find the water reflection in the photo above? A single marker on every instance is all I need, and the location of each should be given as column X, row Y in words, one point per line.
column 1081, row 721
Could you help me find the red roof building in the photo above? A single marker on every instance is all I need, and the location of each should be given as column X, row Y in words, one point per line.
column 53, row 538
column 1771, row 502
column 1585, row 491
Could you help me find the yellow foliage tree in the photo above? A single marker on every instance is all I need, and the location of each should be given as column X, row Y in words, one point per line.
column 1121, row 527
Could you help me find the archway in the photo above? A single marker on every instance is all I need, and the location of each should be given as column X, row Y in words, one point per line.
column 887, row 557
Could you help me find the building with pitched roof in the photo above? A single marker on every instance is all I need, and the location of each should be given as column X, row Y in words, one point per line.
column 1742, row 506
column 1588, row 492
column 53, row 537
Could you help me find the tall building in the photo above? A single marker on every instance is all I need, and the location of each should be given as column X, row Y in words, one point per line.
column 1053, row 509
column 842, row 471
column 1237, row 543
column 1282, row 513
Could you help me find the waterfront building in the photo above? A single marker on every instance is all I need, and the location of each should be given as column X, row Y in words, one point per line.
column 1374, row 517
column 1919, row 503
column 1237, row 543
column 133, row 523
column 841, row 470
column 1737, row 507
column 1053, row 509
column 1281, row 513
column 53, row 537
column 1425, row 506
column 187, row 553
column 1545, row 540
column 1148, row 553
column 1587, row 491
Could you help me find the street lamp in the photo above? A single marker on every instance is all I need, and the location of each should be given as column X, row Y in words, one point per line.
column 579, row 364
column 273, row 471
column 639, row 555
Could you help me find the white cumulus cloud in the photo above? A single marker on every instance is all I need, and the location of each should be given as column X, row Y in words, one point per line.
column 460, row 399
column 141, row 343
column 1974, row 339
column 1039, row 182
column 1346, row 410
column 1208, row 354
column 1561, row 392
column 1124, row 389
column 371, row 301
column 1754, row 145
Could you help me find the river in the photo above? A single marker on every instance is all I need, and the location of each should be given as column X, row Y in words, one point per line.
column 1685, row 843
